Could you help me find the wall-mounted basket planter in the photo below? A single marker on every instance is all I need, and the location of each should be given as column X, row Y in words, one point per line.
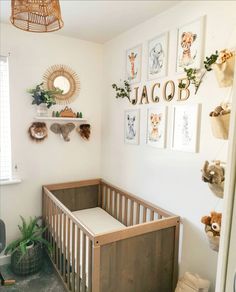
column 214, row 241
column 220, row 126
column 225, row 72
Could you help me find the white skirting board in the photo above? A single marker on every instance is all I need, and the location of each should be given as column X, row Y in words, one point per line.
column 5, row 259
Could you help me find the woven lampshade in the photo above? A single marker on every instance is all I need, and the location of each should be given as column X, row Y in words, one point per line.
column 36, row 15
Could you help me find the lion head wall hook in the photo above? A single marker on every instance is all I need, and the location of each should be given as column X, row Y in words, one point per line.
column 38, row 131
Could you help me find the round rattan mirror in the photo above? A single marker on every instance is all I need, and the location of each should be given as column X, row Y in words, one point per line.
column 64, row 78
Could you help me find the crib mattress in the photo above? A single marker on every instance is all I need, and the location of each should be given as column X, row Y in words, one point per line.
column 98, row 221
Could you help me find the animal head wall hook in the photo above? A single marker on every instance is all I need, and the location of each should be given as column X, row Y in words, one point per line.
column 84, row 131
column 63, row 130
column 38, row 131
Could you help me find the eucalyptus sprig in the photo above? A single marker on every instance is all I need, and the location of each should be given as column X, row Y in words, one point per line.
column 122, row 92
column 195, row 76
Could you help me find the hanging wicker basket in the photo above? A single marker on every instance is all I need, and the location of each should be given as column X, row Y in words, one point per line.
column 214, row 241
column 225, row 72
column 220, row 126
column 217, row 189
column 30, row 263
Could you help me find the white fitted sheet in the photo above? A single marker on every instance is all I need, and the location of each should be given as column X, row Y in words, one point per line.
column 98, row 221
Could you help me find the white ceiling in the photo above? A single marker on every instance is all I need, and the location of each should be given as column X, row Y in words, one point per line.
column 100, row 21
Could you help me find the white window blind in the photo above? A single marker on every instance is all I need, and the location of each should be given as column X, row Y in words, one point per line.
column 5, row 134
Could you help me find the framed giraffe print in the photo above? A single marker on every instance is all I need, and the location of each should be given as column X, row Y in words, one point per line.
column 185, row 127
column 134, row 64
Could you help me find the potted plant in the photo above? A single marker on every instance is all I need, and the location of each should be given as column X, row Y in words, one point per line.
column 43, row 98
column 27, row 251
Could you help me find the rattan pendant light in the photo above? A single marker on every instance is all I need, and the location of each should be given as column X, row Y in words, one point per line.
column 36, row 15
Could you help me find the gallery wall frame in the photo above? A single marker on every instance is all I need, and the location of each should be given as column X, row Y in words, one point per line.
column 186, row 127
column 132, row 126
column 157, row 126
column 190, row 44
column 157, row 56
column 133, row 64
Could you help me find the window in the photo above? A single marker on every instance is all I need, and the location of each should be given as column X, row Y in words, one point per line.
column 5, row 134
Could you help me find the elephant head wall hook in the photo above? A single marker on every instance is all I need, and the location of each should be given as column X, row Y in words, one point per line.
column 63, row 130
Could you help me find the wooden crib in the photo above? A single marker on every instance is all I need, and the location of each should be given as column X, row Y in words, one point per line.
column 140, row 256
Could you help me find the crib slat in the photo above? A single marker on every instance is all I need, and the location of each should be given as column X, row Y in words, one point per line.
column 46, row 217
column 144, row 214
column 78, row 261
column 106, row 192
column 100, row 195
column 137, row 213
column 53, row 232
column 61, row 242
column 56, row 235
column 64, row 246
column 83, row 262
column 90, row 266
column 73, row 258
column 115, row 205
column 152, row 216
column 112, row 202
column 131, row 223
column 120, row 208
column 103, row 197
column 126, row 212
column 50, row 221
column 68, row 252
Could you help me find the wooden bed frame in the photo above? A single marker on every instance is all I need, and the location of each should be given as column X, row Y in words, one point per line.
column 143, row 257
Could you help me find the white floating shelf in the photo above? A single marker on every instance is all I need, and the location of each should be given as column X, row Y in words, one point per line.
column 56, row 119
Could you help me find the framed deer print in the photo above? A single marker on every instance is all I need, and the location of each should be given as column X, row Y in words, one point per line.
column 190, row 45
column 132, row 126
column 133, row 64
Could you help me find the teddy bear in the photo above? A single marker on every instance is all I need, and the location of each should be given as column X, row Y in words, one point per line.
column 212, row 224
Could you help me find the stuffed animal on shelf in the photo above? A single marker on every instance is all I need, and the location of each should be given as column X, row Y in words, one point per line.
column 214, row 175
column 84, row 131
column 212, row 224
column 63, row 129
column 38, row 131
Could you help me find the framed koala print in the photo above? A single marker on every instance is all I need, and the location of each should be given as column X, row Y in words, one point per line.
column 190, row 45
column 156, row 126
column 132, row 118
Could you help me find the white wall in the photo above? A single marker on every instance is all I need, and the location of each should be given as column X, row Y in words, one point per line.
column 168, row 178
column 52, row 160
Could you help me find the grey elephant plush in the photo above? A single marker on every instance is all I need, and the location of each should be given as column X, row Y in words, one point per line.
column 63, row 129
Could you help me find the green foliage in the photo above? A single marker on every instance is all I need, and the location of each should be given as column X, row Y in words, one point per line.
column 195, row 76
column 210, row 61
column 31, row 233
column 40, row 95
column 122, row 92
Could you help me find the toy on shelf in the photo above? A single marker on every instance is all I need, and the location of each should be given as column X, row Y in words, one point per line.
column 213, row 229
column 67, row 113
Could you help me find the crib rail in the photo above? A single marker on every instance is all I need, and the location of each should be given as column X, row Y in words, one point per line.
column 71, row 244
column 127, row 208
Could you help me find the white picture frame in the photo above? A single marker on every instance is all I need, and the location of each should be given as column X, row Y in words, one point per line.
column 134, row 64
column 190, row 43
column 156, row 126
column 158, row 56
column 132, row 126
column 185, row 128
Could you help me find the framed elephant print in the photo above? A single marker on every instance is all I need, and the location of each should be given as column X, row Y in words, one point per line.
column 158, row 56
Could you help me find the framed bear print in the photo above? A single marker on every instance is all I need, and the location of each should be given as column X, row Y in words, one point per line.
column 132, row 118
column 156, row 126
column 134, row 64
column 190, row 45
column 158, row 56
